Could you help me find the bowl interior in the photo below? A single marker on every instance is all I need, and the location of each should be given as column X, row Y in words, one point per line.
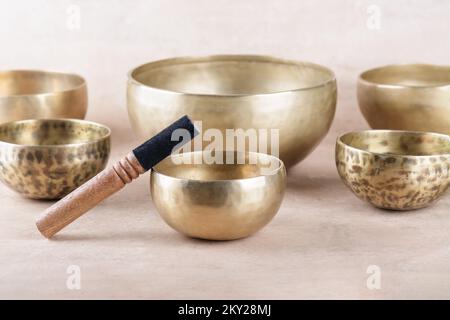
column 417, row 75
column 231, row 75
column 193, row 166
column 23, row 82
column 51, row 132
column 398, row 142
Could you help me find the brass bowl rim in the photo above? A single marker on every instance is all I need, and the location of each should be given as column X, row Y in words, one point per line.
column 229, row 57
column 272, row 173
column 443, row 135
column 362, row 75
column 79, row 121
column 45, row 72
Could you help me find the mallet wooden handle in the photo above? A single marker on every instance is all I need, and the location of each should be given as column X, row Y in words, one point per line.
column 111, row 180
column 89, row 195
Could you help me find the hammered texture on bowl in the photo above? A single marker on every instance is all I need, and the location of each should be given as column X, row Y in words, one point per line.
column 218, row 201
column 47, row 159
column 395, row 169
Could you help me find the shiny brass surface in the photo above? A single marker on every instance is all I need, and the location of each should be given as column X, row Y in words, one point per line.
column 27, row 94
column 46, row 159
column 406, row 97
column 218, row 201
column 399, row 170
column 236, row 91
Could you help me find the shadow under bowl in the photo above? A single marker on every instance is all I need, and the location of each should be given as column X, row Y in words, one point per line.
column 413, row 97
column 218, row 201
column 48, row 158
column 398, row 170
column 31, row 94
column 237, row 91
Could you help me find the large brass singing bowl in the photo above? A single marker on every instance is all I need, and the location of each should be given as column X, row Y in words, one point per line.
column 47, row 159
column 398, row 170
column 218, row 201
column 26, row 94
column 412, row 97
column 237, row 91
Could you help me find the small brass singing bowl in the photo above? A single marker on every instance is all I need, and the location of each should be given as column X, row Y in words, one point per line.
column 397, row 170
column 48, row 158
column 218, row 201
column 28, row 94
column 413, row 97
column 237, row 91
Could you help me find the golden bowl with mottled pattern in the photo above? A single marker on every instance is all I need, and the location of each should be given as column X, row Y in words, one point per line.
column 48, row 158
column 32, row 94
column 398, row 170
column 414, row 97
column 237, row 91
column 218, row 201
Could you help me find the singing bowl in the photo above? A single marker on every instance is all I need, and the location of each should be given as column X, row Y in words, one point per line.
column 398, row 170
column 412, row 97
column 47, row 159
column 27, row 94
column 237, row 91
column 218, row 201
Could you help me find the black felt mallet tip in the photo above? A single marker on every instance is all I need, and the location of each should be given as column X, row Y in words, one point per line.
column 164, row 143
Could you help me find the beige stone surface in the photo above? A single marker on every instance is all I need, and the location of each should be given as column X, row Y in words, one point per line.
column 322, row 240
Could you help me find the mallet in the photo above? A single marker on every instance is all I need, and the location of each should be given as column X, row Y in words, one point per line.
column 114, row 178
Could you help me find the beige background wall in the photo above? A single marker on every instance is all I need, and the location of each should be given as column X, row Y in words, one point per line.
column 322, row 240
